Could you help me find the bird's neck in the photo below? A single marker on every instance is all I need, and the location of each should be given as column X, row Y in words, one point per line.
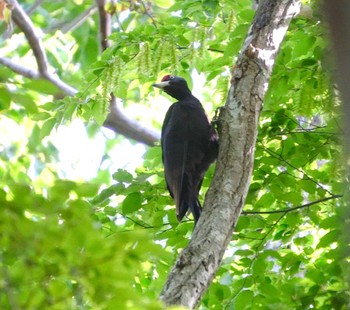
column 187, row 97
column 181, row 95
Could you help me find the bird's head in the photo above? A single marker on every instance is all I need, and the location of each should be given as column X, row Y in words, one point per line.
column 174, row 86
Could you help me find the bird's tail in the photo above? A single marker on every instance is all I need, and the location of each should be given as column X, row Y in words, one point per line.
column 188, row 201
column 196, row 210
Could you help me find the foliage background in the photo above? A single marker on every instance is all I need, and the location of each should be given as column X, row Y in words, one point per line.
column 109, row 241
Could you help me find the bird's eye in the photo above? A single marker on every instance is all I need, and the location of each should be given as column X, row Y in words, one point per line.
column 171, row 77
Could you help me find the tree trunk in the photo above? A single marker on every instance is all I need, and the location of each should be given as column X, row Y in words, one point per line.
column 338, row 17
column 196, row 266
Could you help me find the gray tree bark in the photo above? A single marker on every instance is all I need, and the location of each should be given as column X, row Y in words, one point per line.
column 196, row 266
column 338, row 18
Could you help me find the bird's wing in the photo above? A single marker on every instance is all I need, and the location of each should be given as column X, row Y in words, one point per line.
column 165, row 154
column 176, row 176
column 175, row 145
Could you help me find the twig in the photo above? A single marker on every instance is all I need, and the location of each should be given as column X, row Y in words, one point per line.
column 76, row 22
column 143, row 224
column 284, row 211
column 22, row 20
column 22, row 70
column 293, row 208
column 256, row 255
column 148, row 12
column 32, row 74
column 116, row 121
column 25, row 24
column 35, row 5
column 104, row 23
column 280, row 157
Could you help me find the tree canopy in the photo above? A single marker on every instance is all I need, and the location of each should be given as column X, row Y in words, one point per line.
column 109, row 241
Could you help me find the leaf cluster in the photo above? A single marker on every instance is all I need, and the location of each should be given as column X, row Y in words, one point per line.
column 108, row 243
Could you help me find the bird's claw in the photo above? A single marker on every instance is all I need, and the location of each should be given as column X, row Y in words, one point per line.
column 216, row 119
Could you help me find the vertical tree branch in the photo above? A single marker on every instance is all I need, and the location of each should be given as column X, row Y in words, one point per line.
column 338, row 17
column 116, row 119
column 104, row 23
column 23, row 21
column 196, row 266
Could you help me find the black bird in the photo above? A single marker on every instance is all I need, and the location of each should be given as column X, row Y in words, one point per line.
column 189, row 146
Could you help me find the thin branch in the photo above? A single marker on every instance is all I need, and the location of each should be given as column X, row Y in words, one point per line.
column 209, row 49
column 73, row 24
column 116, row 120
column 30, row 11
column 143, row 224
column 215, row 50
column 67, row 89
column 311, row 131
column 120, row 123
column 293, row 208
column 22, row 20
column 19, row 69
column 35, row 5
column 104, row 24
column 257, row 254
column 280, row 157
column 32, row 74
column 148, row 11
column 284, row 211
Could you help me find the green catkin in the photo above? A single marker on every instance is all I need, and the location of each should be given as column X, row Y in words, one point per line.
column 108, row 85
column 104, row 103
column 139, row 59
column 146, row 58
column 173, row 56
column 192, row 47
column 305, row 100
column 202, row 36
column 230, row 21
column 325, row 90
column 116, row 74
column 158, row 57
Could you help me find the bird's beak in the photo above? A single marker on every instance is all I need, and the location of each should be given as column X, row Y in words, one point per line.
column 161, row 84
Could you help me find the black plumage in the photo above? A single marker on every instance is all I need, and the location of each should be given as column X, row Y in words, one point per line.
column 189, row 146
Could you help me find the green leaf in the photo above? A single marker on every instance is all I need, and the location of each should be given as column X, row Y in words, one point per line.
column 304, row 241
column 328, row 239
column 47, row 127
column 243, row 222
column 28, row 102
column 86, row 189
column 122, row 176
column 41, row 116
column 265, row 201
column 244, row 253
column 110, row 211
column 5, row 98
column 259, row 266
column 42, row 86
column 329, row 222
column 244, row 300
column 132, row 203
column 294, row 197
column 292, row 219
column 315, row 275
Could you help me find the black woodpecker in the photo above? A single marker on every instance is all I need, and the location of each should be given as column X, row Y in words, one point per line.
column 189, row 146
